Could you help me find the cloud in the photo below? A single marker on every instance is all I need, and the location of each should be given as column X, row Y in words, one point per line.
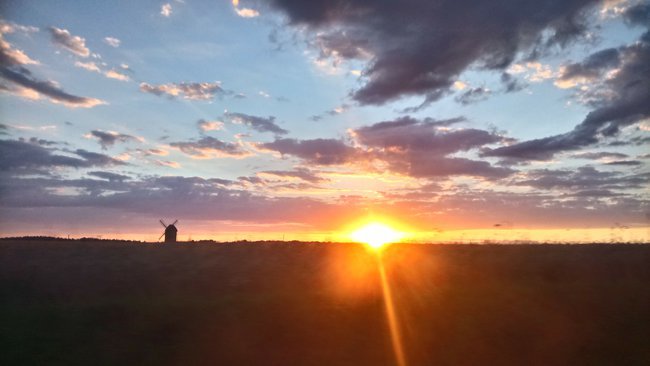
column 625, row 163
column 10, row 27
column 583, row 178
column 206, row 126
column 316, row 151
column 443, row 38
column 90, row 66
column 300, row 173
column 423, row 148
column 112, row 74
column 167, row 163
column 600, row 155
column 96, row 159
column 166, row 10
column 112, row 41
column 589, row 70
column 244, row 12
column 428, row 135
column 210, row 147
column 473, row 95
column 407, row 146
column 247, row 12
column 108, row 138
column 332, row 112
column 511, row 84
column 74, row 44
column 619, row 100
column 24, row 80
column 10, row 56
column 111, row 177
column 191, row 91
column 259, row 124
column 21, row 81
column 21, row 156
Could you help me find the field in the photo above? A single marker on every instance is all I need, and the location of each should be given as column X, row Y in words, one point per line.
column 119, row 303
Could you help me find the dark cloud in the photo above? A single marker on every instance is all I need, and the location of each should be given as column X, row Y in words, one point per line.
column 96, row 159
column 108, row 138
column 253, row 180
column 625, row 163
column 511, row 84
column 427, row 136
column 419, row 47
column 619, row 101
column 23, row 78
column 21, row 156
column 259, row 124
column 74, row 44
column 473, row 95
column 601, row 155
column 638, row 14
column 209, row 147
column 300, row 173
column 424, row 148
column 418, row 148
column 111, row 177
column 592, row 67
column 316, row 151
column 583, row 178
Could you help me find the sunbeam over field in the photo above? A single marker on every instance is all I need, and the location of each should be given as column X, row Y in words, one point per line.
column 322, row 304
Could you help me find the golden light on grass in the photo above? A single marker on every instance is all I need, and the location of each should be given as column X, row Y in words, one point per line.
column 376, row 235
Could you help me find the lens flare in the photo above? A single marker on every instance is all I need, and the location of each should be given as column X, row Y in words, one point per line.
column 376, row 235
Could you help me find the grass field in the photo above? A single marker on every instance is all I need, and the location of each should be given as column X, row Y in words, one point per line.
column 117, row 303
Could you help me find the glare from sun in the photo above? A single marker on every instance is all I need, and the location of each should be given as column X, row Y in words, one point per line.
column 376, row 235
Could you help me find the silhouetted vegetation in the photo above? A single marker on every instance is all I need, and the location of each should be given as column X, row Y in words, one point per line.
column 120, row 303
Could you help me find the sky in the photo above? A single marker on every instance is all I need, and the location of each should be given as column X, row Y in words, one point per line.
column 453, row 120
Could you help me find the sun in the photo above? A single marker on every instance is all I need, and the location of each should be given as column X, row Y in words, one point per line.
column 376, row 235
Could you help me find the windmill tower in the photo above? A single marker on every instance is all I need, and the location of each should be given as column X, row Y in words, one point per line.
column 169, row 233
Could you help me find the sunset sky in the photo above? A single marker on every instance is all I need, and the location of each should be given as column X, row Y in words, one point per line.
column 271, row 119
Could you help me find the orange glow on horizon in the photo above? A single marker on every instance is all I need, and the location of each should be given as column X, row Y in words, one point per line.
column 376, row 235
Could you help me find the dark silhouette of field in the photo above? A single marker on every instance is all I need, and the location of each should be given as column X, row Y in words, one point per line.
column 112, row 303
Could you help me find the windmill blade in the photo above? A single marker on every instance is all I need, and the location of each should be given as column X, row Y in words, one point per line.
column 163, row 223
column 163, row 234
column 175, row 222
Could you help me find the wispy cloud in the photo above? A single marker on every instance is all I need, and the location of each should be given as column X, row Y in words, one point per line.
column 112, row 41
column 247, row 12
column 209, row 148
column 111, row 74
column 108, row 138
column 192, row 91
column 206, row 126
column 260, row 124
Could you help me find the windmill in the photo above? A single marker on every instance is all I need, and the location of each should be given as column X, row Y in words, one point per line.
column 169, row 233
